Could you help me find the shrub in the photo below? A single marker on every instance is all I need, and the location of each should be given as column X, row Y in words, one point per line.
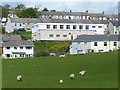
column 41, row 54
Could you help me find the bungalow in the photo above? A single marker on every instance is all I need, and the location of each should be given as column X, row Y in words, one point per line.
column 66, row 29
column 94, row 43
column 18, row 49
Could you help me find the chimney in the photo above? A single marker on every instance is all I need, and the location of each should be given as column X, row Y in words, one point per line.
column 103, row 12
column 86, row 11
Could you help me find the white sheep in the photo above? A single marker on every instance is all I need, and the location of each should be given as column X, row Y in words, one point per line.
column 62, row 56
column 61, row 81
column 19, row 78
column 82, row 73
column 72, row 76
column 52, row 54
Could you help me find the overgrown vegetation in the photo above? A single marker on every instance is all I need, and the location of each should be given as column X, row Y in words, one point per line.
column 25, row 35
column 51, row 46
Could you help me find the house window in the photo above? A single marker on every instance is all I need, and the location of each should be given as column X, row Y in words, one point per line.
column 95, row 43
column 7, row 47
column 48, row 26
column 64, row 35
column 93, row 26
column 61, row 27
column 78, row 42
column 67, row 26
column 79, row 51
column 81, row 27
column 105, row 43
column 57, row 35
column 50, row 35
column 87, row 26
column 99, row 26
column 21, row 47
column 28, row 47
column 15, row 47
column 115, row 43
column 100, row 50
column 7, row 55
column 54, row 26
column 74, row 26
column 85, row 42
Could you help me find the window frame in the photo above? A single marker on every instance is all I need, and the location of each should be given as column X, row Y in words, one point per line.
column 95, row 43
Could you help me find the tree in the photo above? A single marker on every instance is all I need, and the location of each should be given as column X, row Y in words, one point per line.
column 28, row 13
column 5, row 12
column 7, row 6
column 20, row 7
column 45, row 9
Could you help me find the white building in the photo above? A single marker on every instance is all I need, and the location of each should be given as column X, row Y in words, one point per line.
column 94, row 43
column 114, row 27
column 18, row 49
column 23, row 24
column 73, row 15
column 77, row 15
column 61, row 29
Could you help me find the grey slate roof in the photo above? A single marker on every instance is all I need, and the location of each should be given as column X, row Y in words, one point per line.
column 63, row 13
column 115, row 23
column 47, row 20
column 25, row 20
column 18, row 43
column 86, row 38
column 72, row 13
column 10, row 37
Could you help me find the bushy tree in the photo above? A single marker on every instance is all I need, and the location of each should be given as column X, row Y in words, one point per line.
column 28, row 13
column 45, row 9
column 5, row 12
column 60, row 48
column 20, row 7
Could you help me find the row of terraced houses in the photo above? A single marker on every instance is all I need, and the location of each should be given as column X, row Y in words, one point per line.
column 88, row 32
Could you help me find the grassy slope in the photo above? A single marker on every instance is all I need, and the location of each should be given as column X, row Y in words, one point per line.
column 47, row 71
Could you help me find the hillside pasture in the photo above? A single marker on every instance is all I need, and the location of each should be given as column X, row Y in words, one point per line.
column 45, row 72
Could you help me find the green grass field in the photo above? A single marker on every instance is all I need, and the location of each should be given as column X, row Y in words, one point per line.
column 45, row 72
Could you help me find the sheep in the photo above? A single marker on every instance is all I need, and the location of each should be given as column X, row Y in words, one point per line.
column 52, row 54
column 61, row 81
column 82, row 73
column 19, row 78
column 72, row 76
column 62, row 56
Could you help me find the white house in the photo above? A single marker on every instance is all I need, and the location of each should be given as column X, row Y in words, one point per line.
column 94, row 43
column 62, row 29
column 114, row 27
column 20, row 24
column 18, row 49
column 73, row 15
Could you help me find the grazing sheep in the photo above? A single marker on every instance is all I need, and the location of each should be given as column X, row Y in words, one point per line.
column 62, row 56
column 52, row 54
column 72, row 76
column 82, row 73
column 61, row 81
column 19, row 78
